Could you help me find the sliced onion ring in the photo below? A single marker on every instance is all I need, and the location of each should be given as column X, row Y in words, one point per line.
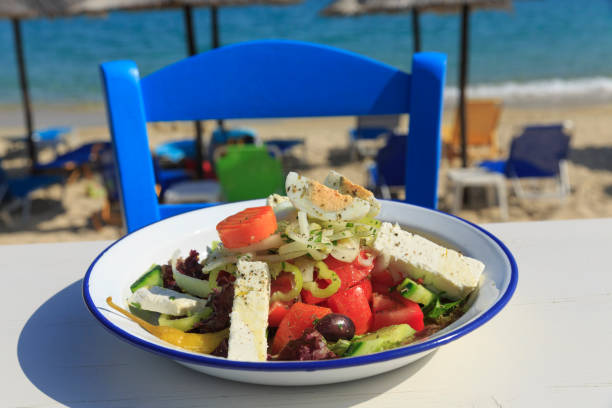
column 367, row 261
column 279, row 258
column 273, row 241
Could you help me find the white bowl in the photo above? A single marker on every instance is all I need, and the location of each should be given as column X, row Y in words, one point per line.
column 112, row 272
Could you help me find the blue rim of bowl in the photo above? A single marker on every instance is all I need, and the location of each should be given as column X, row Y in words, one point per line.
column 275, row 366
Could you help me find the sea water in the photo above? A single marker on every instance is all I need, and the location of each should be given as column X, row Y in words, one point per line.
column 547, row 50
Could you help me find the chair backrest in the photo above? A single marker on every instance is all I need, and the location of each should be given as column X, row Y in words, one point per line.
column 247, row 172
column 269, row 79
column 482, row 121
column 538, row 151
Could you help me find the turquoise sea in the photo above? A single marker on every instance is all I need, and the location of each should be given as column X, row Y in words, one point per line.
column 547, row 49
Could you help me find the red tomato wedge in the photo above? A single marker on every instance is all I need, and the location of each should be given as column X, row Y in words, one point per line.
column 247, row 227
column 282, row 283
column 366, row 285
column 349, row 273
column 354, row 303
column 385, row 278
column 382, row 289
column 278, row 310
column 381, row 302
column 299, row 317
column 409, row 313
column 311, row 299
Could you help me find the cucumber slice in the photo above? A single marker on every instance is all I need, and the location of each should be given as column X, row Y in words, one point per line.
column 185, row 323
column 146, row 315
column 340, row 347
column 193, row 286
column 153, row 277
column 383, row 339
column 411, row 290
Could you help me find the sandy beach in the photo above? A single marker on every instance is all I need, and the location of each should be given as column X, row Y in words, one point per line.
column 64, row 213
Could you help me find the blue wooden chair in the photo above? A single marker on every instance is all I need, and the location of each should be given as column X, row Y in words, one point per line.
column 268, row 79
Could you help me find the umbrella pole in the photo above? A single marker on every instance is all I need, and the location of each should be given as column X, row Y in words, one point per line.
column 214, row 26
column 25, row 94
column 416, row 30
column 192, row 49
column 463, row 65
column 214, row 35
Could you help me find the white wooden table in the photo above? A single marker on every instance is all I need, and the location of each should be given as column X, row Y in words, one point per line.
column 551, row 346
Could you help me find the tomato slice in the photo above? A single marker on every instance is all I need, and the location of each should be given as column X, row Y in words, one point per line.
column 384, row 278
column 409, row 313
column 382, row 302
column 278, row 310
column 282, row 283
column 247, row 227
column 354, row 303
column 311, row 299
column 299, row 317
column 350, row 274
column 366, row 285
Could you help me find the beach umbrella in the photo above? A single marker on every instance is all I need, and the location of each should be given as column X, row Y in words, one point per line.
column 17, row 10
column 464, row 7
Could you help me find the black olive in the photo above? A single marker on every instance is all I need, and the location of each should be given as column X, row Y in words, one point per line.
column 335, row 326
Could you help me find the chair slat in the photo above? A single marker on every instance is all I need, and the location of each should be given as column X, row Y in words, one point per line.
column 424, row 144
column 273, row 79
column 127, row 122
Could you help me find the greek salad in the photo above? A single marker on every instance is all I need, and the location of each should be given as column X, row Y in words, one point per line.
column 311, row 275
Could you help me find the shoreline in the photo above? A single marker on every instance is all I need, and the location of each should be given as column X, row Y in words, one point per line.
column 539, row 93
column 94, row 114
column 65, row 214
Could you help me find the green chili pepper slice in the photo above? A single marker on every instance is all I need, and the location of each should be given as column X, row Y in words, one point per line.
column 297, row 281
column 324, row 273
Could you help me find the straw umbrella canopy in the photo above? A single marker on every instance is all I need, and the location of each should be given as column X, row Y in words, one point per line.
column 363, row 7
column 17, row 10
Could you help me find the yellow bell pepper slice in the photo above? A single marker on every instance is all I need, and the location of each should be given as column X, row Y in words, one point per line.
column 199, row 343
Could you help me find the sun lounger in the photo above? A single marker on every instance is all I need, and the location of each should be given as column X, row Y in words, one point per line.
column 481, row 130
column 15, row 193
column 539, row 154
column 386, row 174
column 368, row 129
column 52, row 137
column 75, row 161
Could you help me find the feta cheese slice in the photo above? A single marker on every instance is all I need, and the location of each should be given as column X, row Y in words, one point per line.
column 167, row 301
column 249, row 317
column 281, row 205
column 416, row 257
